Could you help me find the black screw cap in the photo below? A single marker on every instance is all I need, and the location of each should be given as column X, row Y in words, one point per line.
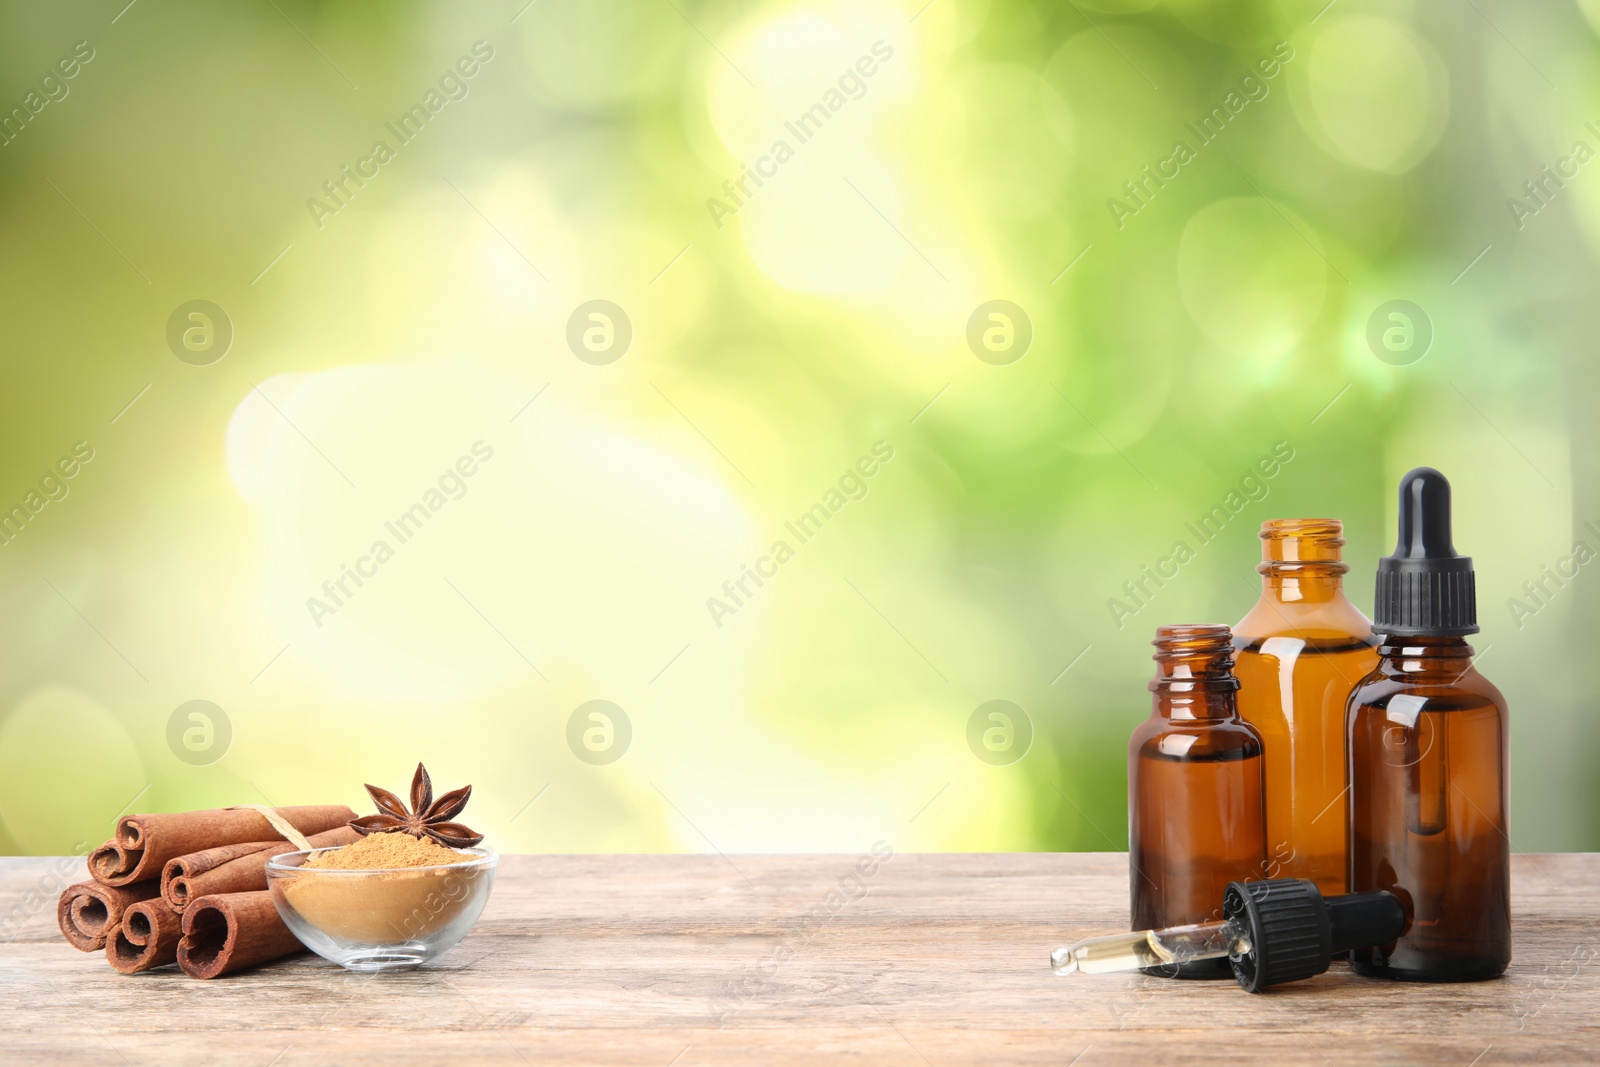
column 1294, row 931
column 1289, row 934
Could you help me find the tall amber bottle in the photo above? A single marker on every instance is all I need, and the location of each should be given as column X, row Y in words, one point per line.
column 1195, row 819
column 1428, row 761
column 1300, row 652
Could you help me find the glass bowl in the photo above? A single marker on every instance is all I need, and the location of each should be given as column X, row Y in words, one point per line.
column 380, row 920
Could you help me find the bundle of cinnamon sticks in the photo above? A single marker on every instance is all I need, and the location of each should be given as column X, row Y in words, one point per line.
column 191, row 888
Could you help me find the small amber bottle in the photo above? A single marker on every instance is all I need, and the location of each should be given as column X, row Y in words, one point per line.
column 1300, row 650
column 1428, row 761
column 1195, row 812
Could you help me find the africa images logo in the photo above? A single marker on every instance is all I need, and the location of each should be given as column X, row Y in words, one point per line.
column 453, row 85
column 451, row 485
column 851, row 486
column 851, row 85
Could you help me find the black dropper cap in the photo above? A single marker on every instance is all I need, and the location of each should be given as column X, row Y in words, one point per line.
column 1295, row 932
column 1425, row 589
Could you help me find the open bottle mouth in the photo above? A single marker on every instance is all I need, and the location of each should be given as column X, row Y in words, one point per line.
column 1189, row 640
column 1302, row 547
column 1330, row 530
column 1194, row 657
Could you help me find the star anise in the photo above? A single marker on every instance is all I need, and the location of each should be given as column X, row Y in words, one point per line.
column 427, row 817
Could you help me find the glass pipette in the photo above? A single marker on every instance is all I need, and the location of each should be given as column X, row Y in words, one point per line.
column 1151, row 948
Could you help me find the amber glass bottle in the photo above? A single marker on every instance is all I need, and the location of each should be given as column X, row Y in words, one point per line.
column 1195, row 819
column 1300, row 652
column 1428, row 761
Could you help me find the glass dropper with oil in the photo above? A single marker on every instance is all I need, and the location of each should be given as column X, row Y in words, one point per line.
column 1272, row 931
column 1152, row 948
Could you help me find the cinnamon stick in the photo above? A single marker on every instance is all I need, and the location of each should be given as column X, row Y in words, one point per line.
column 89, row 913
column 233, row 868
column 230, row 931
column 143, row 844
column 148, row 937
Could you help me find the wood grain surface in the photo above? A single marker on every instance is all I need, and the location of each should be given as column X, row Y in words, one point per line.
column 688, row 960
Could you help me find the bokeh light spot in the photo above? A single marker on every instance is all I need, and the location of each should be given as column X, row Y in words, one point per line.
column 1379, row 94
column 51, row 814
column 1251, row 282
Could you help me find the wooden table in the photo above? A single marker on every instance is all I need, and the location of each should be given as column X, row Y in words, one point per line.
column 686, row 960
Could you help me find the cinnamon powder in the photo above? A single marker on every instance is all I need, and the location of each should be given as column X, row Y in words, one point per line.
column 387, row 896
column 387, row 851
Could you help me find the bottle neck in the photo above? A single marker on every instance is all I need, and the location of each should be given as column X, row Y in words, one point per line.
column 1449, row 657
column 1302, row 561
column 1197, row 704
column 1301, row 585
column 1194, row 673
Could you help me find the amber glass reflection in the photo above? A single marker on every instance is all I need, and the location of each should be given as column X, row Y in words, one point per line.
column 1300, row 651
column 1195, row 820
column 1428, row 810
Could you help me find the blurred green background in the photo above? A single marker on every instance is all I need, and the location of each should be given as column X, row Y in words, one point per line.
column 394, row 312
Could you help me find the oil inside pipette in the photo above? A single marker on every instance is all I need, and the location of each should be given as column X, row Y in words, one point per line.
column 1151, row 948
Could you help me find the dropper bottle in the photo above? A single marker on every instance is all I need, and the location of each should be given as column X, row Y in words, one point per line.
column 1427, row 760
